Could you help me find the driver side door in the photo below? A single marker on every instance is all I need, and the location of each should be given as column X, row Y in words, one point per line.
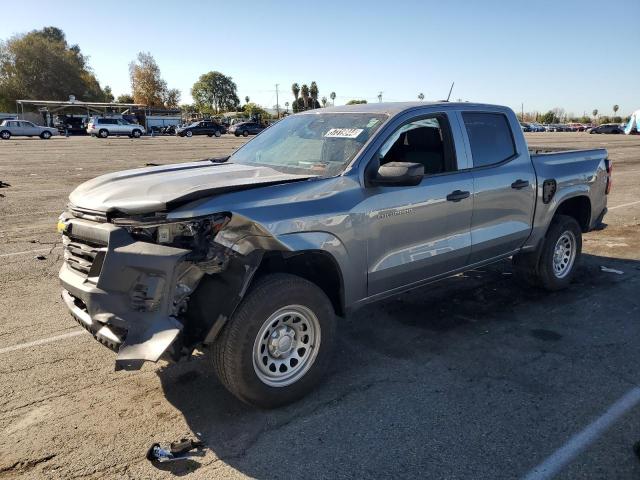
column 420, row 232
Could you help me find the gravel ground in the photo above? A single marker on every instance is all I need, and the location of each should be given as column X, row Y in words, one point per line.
column 473, row 377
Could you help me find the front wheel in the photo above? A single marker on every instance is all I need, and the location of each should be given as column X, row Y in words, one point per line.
column 189, row 134
column 553, row 267
column 45, row 135
column 277, row 346
column 218, row 133
column 136, row 134
column 245, row 133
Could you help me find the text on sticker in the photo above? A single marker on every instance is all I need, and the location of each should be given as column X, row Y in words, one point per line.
column 344, row 132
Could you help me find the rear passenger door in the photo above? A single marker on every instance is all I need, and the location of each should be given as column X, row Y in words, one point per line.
column 504, row 183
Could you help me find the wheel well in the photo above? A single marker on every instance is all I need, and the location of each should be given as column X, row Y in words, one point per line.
column 578, row 208
column 316, row 266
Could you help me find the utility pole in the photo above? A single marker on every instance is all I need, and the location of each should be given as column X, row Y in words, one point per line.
column 380, row 97
column 277, row 103
column 522, row 110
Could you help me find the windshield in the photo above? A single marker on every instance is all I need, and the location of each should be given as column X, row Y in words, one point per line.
column 318, row 144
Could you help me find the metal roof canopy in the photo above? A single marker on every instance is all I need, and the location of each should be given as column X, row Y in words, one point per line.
column 98, row 107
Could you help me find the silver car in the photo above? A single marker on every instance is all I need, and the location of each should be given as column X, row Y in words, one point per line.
column 103, row 127
column 23, row 128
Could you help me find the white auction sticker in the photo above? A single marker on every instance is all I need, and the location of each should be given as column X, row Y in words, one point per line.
column 344, row 132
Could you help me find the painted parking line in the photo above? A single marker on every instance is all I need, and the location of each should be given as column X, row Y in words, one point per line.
column 42, row 341
column 576, row 444
column 39, row 250
column 624, row 205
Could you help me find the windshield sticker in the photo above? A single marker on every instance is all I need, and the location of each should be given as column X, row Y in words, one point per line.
column 344, row 132
column 372, row 123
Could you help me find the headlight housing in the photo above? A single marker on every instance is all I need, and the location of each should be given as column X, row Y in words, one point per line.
column 194, row 234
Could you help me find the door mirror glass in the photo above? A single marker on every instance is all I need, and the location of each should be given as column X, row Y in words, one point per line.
column 399, row 174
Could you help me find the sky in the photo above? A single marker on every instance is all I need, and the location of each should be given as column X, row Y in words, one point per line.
column 576, row 55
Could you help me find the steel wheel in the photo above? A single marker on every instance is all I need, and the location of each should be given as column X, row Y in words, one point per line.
column 564, row 254
column 286, row 345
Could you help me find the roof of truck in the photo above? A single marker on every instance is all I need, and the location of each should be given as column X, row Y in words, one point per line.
column 393, row 108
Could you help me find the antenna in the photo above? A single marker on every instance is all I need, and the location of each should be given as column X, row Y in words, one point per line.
column 450, row 90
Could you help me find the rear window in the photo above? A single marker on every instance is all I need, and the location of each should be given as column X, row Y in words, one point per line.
column 490, row 138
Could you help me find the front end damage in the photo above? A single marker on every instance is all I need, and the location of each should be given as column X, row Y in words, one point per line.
column 129, row 282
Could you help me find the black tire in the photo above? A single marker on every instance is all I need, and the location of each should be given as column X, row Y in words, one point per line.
column 537, row 268
column 218, row 133
column 188, row 134
column 236, row 134
column 232, row 353
column 45, row 135
column 245, row 133
column 5, row 134
column 136, row 133
column 103, row 133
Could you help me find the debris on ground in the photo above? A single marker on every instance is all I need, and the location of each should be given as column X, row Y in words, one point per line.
column 151, row 164
column 40, row 257
column 610, row 270
column 4, row 184
column 180, row 450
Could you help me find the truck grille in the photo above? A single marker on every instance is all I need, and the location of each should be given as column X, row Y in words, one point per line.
column 84, row 257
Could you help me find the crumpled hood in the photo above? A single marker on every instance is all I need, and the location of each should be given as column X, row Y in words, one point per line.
column 154, row 189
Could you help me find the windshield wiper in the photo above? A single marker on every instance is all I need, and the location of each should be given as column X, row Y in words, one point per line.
column 217, row 159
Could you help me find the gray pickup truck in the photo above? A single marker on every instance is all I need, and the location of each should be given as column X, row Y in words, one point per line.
column 254, row 256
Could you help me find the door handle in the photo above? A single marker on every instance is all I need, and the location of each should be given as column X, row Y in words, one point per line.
column 520, row 184
column 457, row 195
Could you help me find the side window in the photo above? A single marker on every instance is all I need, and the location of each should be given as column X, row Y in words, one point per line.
column 426, row 141
column 490, row 138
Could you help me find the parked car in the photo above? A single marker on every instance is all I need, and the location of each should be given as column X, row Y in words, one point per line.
column 246, row 128
column 203, row 127
column 72, row 125
column 23, row 128
column 525, row 127
column 613, row 128
column 536, row 127
column 251, row 257
column 103, row 127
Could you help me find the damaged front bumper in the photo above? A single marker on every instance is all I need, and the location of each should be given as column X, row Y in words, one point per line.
column 128, row 294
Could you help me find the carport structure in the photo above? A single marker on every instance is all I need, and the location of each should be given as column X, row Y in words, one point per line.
column 50, row 107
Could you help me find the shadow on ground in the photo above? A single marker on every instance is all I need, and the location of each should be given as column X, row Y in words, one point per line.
column 423, row 382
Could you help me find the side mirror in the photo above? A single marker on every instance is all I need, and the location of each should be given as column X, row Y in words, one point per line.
column 399, row 174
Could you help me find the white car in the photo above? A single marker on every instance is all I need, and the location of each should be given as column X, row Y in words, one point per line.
column 22, row 128
column 103, row 127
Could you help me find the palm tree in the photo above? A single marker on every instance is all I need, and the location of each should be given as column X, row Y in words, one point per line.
column 304, row 91
column 380, row 97
column 615, row 109
column 246, row 99
column 286, row 104
column 421, row 96
column 595, row 112
column 324, row 101
column 313, row 91
column 295, row 88
column 333, row 98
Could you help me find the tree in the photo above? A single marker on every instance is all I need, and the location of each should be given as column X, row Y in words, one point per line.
column 42, row 65
column 147, row 85
column 125, row 98
column 255, row 111
column 356, row 102
column 333, row 98
column 286, row 104
column 615, row 109
column 304, row 91
column 595, row 113
column 549, row 117
column 216, row 91
column 421, row 96
column 313, row 92
column 324, row 101
column 246, row 99
column 107, row 94
column 295, row 89
column 172, row 98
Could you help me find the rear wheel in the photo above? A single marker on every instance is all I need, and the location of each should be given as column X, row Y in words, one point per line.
column 277, row 346
column 553, row 267
column 103, row 133
column 218, row 133
column 5, row 134
column 245, row 133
